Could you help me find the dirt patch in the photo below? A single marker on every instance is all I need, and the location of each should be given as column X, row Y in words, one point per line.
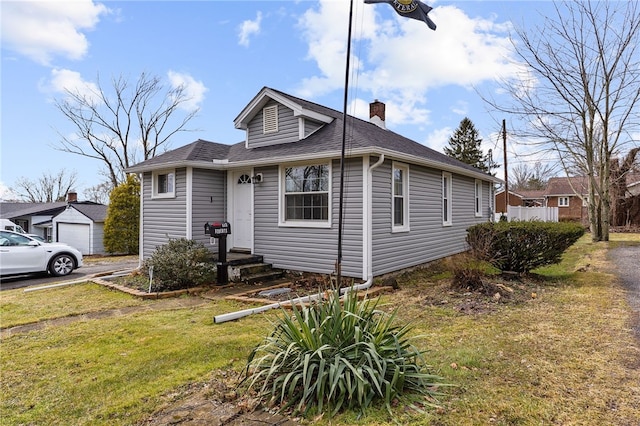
column 214, row 403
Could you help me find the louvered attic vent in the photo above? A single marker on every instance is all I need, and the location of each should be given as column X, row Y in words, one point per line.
column 270, row 119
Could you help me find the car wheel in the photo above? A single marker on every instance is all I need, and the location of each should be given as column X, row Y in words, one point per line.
column 61, row 265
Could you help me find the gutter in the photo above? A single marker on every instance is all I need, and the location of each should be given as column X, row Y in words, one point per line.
column 217, row 164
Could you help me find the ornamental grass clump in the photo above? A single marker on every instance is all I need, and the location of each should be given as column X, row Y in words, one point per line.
column 338, row 354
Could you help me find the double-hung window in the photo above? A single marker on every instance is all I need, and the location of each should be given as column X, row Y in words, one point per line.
column 446, row 199
column 163, row 184
column 307, row 194
column 478, row 198
column 400, row 197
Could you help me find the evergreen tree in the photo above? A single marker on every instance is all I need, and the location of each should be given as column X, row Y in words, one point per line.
column 464, row 145
column 122, row 225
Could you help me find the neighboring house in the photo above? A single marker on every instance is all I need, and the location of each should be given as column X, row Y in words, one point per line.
column 54, row 221
column 81, row 226
column 404, row 204
column 519, row 199
column 34, row 218
column 633, row 184
column 569, row 194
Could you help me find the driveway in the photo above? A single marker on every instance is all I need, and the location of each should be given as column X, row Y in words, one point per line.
column 627, row 259
column 92, row 266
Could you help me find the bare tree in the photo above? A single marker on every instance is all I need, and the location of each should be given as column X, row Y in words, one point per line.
column 47, row 188
column 580, row 91
column 98, row 193
column 526, row 178
column 123, row 127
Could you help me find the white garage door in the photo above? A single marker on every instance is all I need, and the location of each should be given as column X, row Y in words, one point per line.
column 76, row 235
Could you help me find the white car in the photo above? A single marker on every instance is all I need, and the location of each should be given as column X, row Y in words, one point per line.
column 21, row 254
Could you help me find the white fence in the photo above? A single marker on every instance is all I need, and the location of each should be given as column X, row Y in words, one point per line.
column 545, row 214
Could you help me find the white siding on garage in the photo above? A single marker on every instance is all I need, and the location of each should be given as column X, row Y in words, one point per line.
column 74, row 228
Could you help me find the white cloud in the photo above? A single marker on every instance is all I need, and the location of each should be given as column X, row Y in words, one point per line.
column 400, row 60
column 439, row 138
column 64, row 80
column 194, row 90
column 249, row 28
column 6, row 194
column 41, row 30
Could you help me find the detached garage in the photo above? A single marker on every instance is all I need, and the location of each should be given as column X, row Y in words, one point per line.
column 81, row 226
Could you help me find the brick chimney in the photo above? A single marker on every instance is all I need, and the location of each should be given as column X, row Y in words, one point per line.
column 72, row 197
column 377, row 113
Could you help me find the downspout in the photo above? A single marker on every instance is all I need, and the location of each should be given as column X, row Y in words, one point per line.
column 367, row 214
column 141, row 224
column 298, row 300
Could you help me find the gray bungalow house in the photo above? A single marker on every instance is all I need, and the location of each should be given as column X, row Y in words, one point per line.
column 404, row 204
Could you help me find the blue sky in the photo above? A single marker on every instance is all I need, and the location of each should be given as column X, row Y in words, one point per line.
column 224, row 52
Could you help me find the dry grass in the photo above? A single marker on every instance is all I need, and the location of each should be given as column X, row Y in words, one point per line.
column 557, row 349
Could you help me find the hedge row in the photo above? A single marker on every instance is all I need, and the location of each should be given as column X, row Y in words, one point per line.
column 522, row 246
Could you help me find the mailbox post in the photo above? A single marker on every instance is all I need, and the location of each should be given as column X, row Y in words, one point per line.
column 220, row 230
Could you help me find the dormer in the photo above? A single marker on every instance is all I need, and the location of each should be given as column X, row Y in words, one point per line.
column 273, row 118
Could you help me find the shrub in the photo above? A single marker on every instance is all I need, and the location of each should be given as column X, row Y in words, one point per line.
column 522, row 246
column 122, row 224
column 179, row 264
column 337, row 355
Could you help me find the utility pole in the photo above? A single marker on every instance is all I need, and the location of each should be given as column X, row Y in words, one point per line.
column 506, row 176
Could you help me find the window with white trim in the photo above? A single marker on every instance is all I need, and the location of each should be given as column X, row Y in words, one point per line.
column 478, row 198
column 400, row 198
column 306, row 192
column 270, row 119
column 563, row 201
column 446, row 199
column 163, row 183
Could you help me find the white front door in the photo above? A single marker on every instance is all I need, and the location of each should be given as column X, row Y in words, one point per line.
column 242, row 227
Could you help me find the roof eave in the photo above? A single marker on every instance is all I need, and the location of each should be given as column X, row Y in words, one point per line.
column 242, row 120
column 356, row 152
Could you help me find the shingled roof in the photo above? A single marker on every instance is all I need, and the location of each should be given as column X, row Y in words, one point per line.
column 95, row 212
column 363, row 138
column 577, row 185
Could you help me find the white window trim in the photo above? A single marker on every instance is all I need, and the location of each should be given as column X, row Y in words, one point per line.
column 268, row 126
column 477, row 204
column 282, row 222
column 405, row 195
column 448, row 221
column 561, row 204
column 154, row 184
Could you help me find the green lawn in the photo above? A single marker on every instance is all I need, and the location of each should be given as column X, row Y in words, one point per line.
column 564, row 356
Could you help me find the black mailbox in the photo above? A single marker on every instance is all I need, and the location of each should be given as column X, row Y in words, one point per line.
column 218, row 229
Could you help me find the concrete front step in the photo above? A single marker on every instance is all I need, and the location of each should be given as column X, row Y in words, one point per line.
column 252, row 269
column 262, row 277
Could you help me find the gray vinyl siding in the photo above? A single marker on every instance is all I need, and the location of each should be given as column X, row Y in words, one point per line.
column 310, row 127
column 311, row 249
column 164, row 218
column 98, row 238
column 427, row 239
column 288, row 128
column 208, row 202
